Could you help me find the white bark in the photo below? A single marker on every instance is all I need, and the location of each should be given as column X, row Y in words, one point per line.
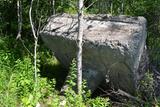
column 35, row 44
column 30, row 18
column 111, row 8
column 122, row 7
column 79, row 54
column 53, row 7
column 19, row 14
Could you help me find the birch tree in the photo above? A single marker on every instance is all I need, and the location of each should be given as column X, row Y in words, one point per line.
column 79, row 40
column 35, row 42
column 19, row 14
column 122, row 7
column 53, row 6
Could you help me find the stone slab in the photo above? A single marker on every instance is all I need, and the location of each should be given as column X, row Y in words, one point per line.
column 112, row 47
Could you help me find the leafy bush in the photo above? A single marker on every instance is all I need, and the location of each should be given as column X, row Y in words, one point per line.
column 17, row 86
column 74, row 100
column 99, row 102
column 146, row 87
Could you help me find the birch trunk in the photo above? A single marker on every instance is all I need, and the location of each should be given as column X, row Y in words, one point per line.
column 53, row 7
column 79, row 54
column 35, row 43
column 19, row 14
column 122, row 7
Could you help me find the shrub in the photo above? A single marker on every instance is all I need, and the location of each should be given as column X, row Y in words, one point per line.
column 74, row 100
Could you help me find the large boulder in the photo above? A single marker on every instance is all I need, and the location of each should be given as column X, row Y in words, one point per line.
column 112, row 47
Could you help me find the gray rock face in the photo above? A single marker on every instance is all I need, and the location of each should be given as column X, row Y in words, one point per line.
column 112, row 47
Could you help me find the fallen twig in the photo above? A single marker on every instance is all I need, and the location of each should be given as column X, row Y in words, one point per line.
column 123, row 93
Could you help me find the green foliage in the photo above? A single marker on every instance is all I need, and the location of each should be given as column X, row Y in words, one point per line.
column 67, row 6
column 74, row 100
column 146, row 89
column 23, row 78
column 147, row 86
column 17, row 83
column 71, row 81
column 99, row 102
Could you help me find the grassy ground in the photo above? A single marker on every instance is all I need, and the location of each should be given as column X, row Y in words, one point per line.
column 17, row 81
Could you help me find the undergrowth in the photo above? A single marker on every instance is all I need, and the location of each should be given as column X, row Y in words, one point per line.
column 17, row 85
